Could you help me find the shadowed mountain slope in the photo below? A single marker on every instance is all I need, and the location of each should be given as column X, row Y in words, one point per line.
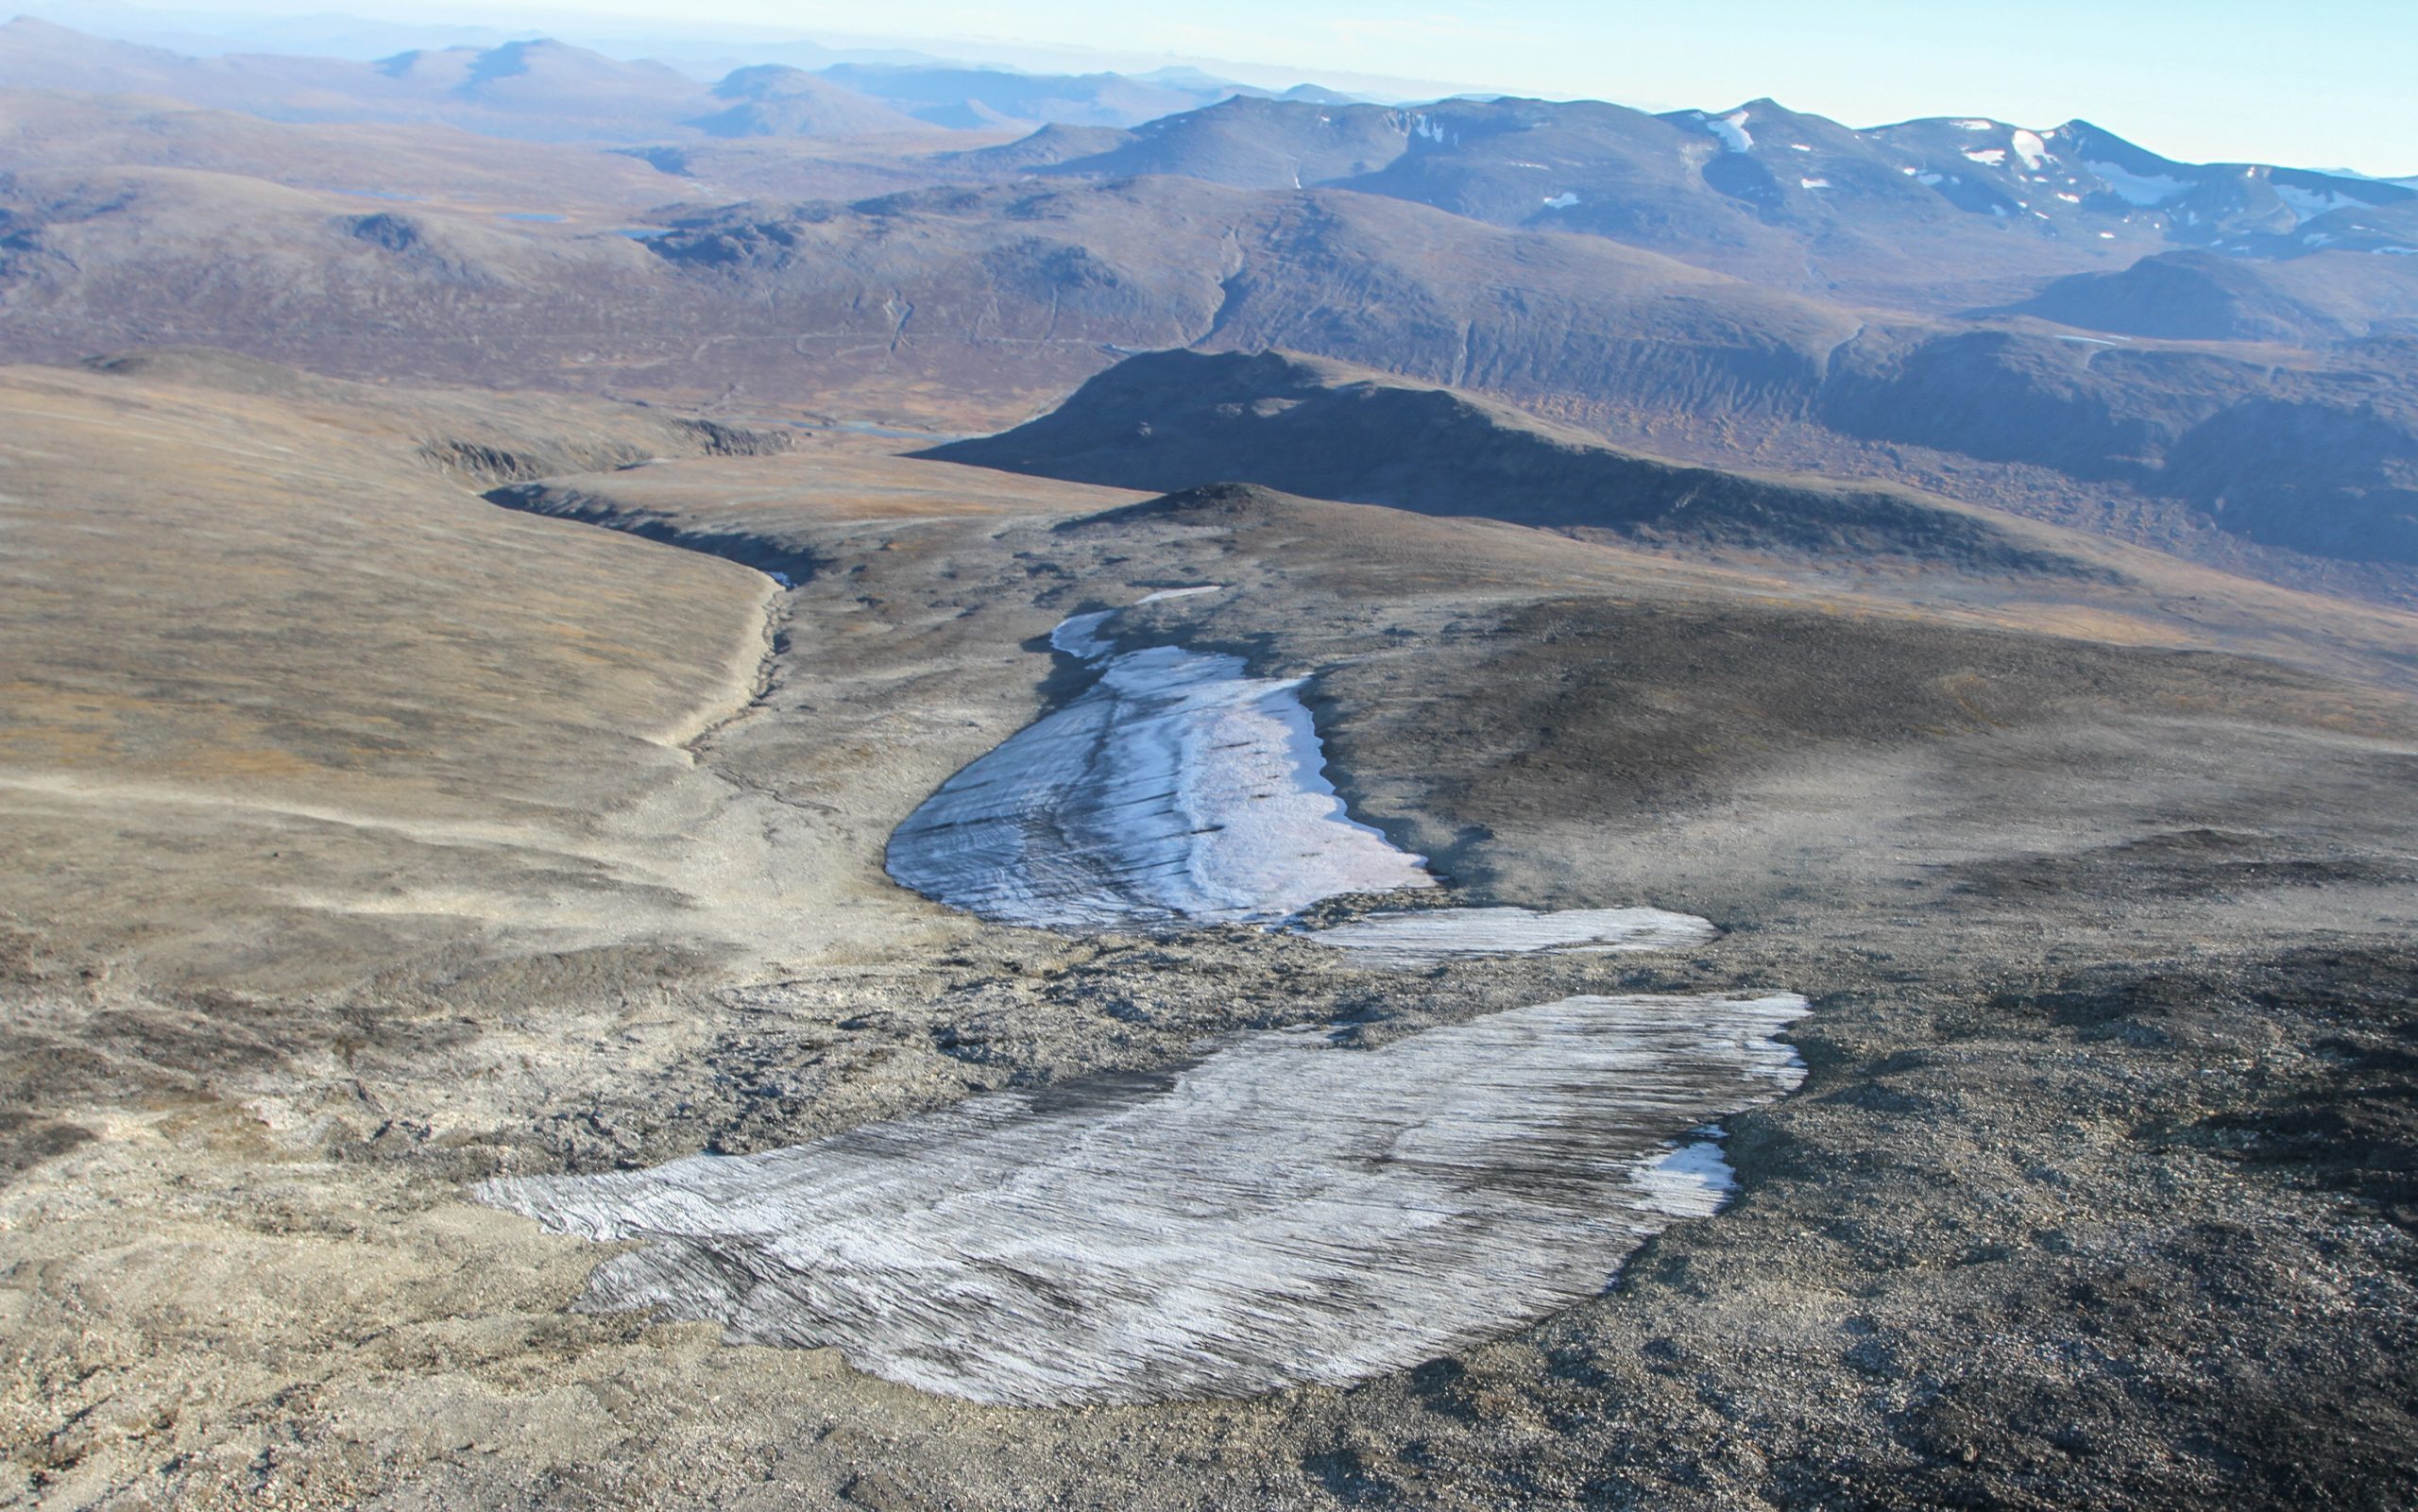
column 2205, row 297
column 1176, row 421
column 996, row 299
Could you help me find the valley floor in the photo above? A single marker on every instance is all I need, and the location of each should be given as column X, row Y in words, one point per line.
column 349, row 872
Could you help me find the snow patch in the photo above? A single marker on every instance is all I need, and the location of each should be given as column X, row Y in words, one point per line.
column 1432, row 935
column 1288, row 1210
column 1561, row 201
column 1973, row 126
column 1691, row 1181
column 1987, row 157
column 2308, row 204
column 1161, row 595
column 1073, row 636
column 1731, row 129
column 1814, row 183
column 2028, row 147
column 2137, row 188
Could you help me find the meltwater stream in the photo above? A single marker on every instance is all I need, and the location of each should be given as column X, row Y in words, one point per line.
column 1289, row 1209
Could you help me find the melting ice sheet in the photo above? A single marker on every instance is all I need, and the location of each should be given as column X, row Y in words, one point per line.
column 1425, row 938
column 1286, row 1211
column 1175, row 790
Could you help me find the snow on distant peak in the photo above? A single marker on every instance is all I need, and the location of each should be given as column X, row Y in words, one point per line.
column 1987, row 157
column 1972, row 126
column 2308, row 204
column 1814, row 184
column 1561, row 201
column 2028, row 146
column 2137, row 188
column 1731, row 129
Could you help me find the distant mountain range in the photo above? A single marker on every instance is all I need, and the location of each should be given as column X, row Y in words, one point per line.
column 2220, row 360
column 1793, row 182
column 535, row 90
column 549, row 91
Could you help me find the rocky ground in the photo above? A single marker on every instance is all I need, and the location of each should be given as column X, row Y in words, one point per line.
column 2098, row 1191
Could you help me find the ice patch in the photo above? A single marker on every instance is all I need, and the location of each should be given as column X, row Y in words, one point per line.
column 1175, row 791
column 2137, row 188
column 2395, row 252
column 1432, row 935
column 779, row 579
column 2308, row 204
column 1075, row 639
column 1731, row 129
column 1929, row 178
column 1561, row 201
column 1691, row 1181
column 1287, row 1211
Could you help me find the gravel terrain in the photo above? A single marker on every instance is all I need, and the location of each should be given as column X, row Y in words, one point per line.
column 2098, row 1191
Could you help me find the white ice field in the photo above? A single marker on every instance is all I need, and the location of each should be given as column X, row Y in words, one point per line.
column 1286, row 1211
column 1175, row 789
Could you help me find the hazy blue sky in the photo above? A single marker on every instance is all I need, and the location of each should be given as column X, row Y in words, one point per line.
column 2320, row 83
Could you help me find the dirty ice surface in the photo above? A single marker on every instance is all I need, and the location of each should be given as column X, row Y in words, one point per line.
column 1287, row 1210
column 1175, row 790
column 1432, row 935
